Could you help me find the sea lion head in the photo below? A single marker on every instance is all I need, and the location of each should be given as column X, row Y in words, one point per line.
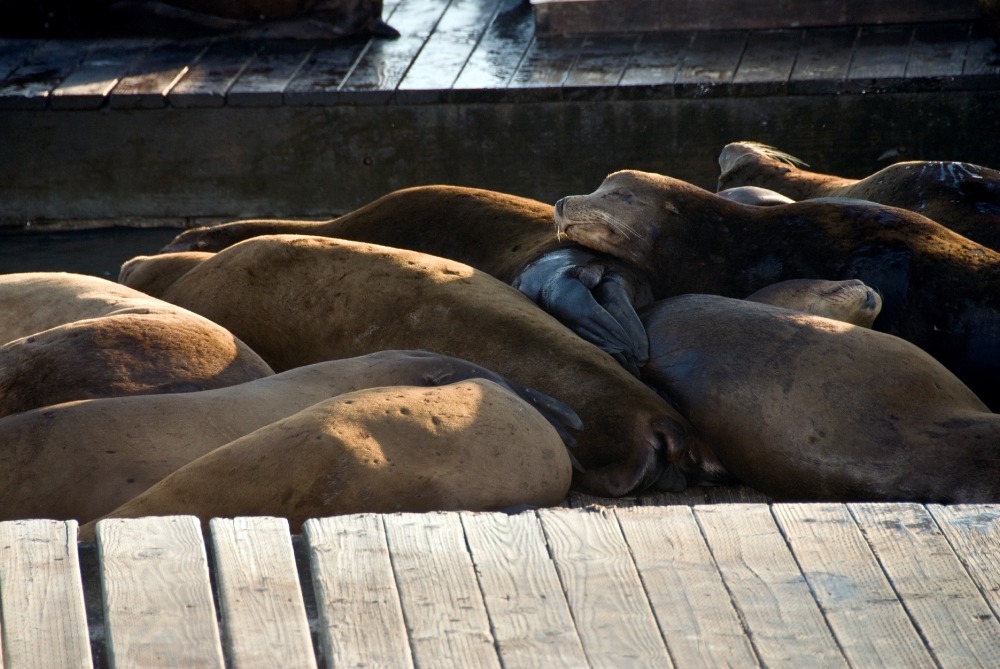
column 849, row 301
column 740, row 162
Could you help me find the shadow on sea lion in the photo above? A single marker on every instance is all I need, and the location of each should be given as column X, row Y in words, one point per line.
column 464, row 446
column 135, row 346
column 940, row 290
column 506, row 236
column 960, row 196
column 298, row 300
column 802, row 407
column 122, row 446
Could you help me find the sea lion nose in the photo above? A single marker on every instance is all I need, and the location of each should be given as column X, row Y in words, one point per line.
column 559, row 207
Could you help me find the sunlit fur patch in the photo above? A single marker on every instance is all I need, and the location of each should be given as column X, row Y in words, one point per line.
column 733, row 152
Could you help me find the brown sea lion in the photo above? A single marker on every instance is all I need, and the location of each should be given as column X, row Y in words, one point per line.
column 156, row 273
column 83, row 459
column 298, row 300
column 122, row 354
column 464, row 446
column 960, row 196
column 850, row 301
column 802, row 407
column 940, row 291
column 506, row 236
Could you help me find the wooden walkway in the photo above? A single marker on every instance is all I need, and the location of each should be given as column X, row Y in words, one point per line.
column 468, row 95
column 740, row 585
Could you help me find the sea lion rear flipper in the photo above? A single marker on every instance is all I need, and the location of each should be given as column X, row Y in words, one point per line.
column 613, row 296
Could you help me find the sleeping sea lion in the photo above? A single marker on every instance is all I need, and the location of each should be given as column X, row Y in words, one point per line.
column 464, row 446
column 960, row 196
column 83, row 459
column 503, row 235
column 850, row 301
column 156, row 273
column 802, row 407
column 939, row 290
column 298, row 300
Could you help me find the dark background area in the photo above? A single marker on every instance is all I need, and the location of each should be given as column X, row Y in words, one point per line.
column 97, row 252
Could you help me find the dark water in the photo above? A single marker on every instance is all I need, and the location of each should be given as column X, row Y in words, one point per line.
column 97, row 252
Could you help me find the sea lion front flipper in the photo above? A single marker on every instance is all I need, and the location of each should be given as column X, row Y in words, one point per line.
column 613, row 295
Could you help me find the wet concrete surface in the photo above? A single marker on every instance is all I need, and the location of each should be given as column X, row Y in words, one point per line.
column 96, row 252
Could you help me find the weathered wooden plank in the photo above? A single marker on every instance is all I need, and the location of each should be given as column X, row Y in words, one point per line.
column 443, row 607
column 735, row 494
column 494, row 61
column 687, row 497
column 777, row 608
column 613, row 616
column 531, row 621
column 318, row 79
column 688, row 597
column 13, row 52
column 710, row 63
column 580, row 500
column 206, row 82
column 442, row 58
column 823, row 61
column 361, row 622
column 767, row 62
column 943, row 602
column 263, row 82
column 89, row 86
column 259, row 594
column 158, row 608
column 544, row 68
column 654, row 65
column 869, row 622
column 147, row 83
column 382, row 66
column 880, row 57
column 973, row 530
column 44, row 617
column 937, row 55
column 599, row 67
column 29, row 86
column 982, row 60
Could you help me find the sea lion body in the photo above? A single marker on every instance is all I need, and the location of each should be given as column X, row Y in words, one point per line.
column 83, row 459
column 849, row 301
column 940, row 291
column 960, row 196
column 302, row 300
column 807, row 408
column 500, row 234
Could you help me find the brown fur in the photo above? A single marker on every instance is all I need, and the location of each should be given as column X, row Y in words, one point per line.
column 807, row 408
column 83, row 459
column 940, row 291
column 155, row 273
column 850, row 301
column 298, row 300
column 465, row 446
column 960, row 196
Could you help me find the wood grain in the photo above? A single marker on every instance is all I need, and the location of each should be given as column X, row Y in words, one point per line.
column 880, row 57
column 544, row 68
column 494, row 61
column 823, row 61
column 601, row 63
column 938, row 53
column 29, row 86
column 785, row 624
column 973, row 530
column 206, row 82
column 613, row 616
column 869, row 622
column 443, row 607
column 260, row 597
column 982, row 60
column 158, row 608
column 767, row 62
column 89, row 86
column 146, row 85
column 13, row 52
column 44, row 617
column 710, row 63
column 929, row 579
column 685, row 589
column 528, row 613
column 654, row 65
column 360, row 618
column 263, row 81
column 318, row 79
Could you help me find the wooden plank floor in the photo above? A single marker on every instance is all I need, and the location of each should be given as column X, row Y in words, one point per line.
column 637, row 585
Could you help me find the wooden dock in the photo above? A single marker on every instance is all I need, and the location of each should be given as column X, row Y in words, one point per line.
column 731, row 585
column 182, row 132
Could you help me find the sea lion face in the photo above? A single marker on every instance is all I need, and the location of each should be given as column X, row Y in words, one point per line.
column 849, row 301
column 624, row 217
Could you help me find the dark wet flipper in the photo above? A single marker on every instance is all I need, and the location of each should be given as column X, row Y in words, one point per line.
column 613, row 296
column 551, row 405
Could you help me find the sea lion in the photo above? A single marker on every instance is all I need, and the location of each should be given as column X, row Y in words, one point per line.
column 297, row 300
column 83, row 459
column 760, row 197
column 939, row 290
column 156, row 273
column 500, row 234
column 802, row 407
column 960, row 196
column 464, row 446
column 122, row 354
column 850, row 301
